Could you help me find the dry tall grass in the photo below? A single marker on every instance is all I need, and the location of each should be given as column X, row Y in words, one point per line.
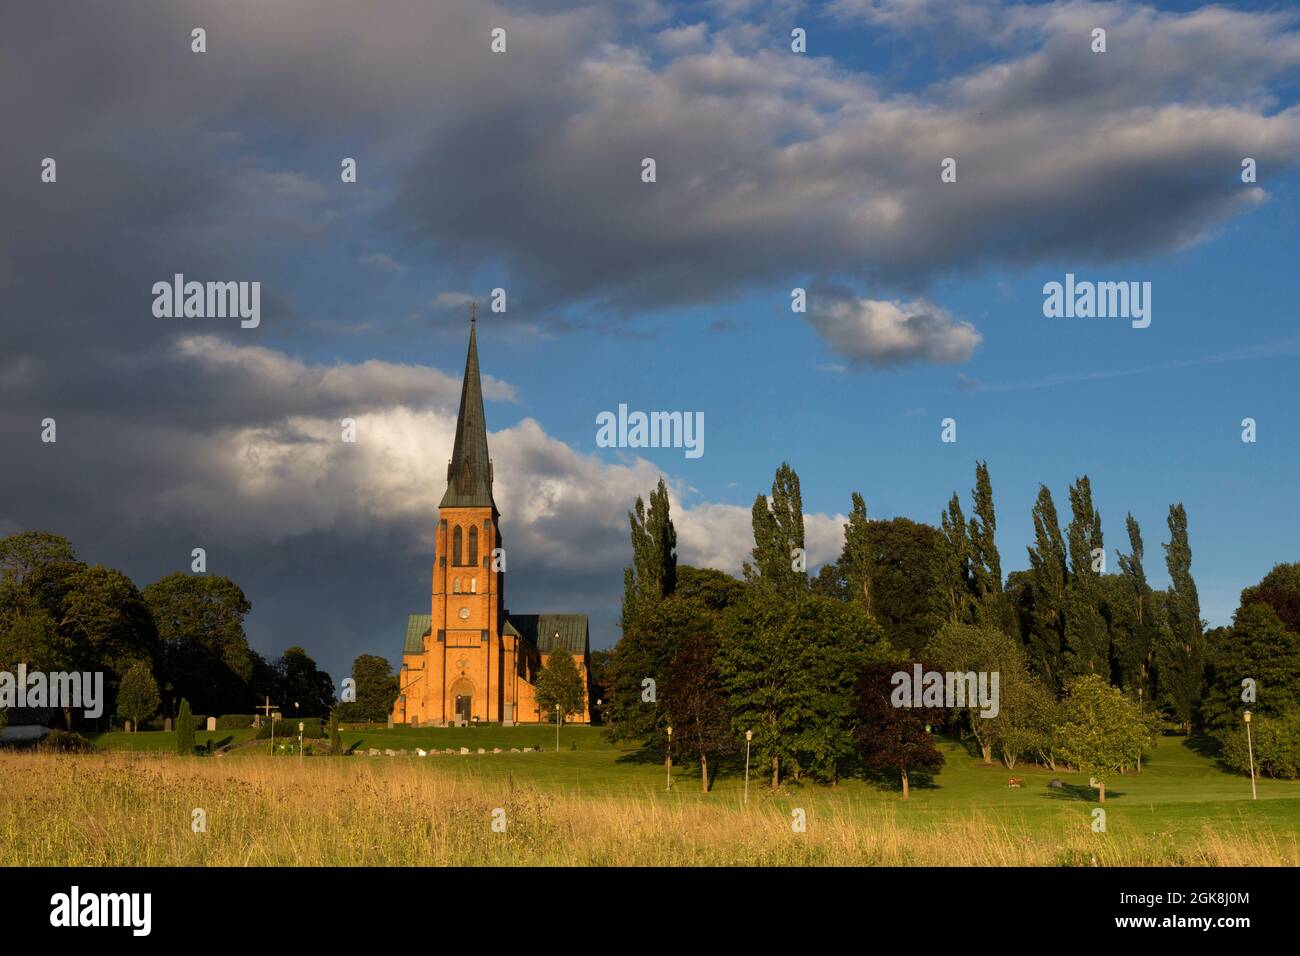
column 136, row 810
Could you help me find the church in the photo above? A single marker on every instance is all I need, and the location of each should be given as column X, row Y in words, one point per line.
column 471, row 659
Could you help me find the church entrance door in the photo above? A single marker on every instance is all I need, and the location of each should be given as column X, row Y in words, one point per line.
column 462, row 707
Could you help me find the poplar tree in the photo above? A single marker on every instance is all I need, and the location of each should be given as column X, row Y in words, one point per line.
column 956, row 576
column 1180, row 653
column 653, row 574
column 992, row 608
column 1133, row 645
column 1048, row 577
column 857, row 559
column 1087, row 643
column 779, row 537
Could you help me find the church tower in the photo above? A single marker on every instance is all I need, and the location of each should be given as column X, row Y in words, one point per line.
column 470, row 660
column 465, row 632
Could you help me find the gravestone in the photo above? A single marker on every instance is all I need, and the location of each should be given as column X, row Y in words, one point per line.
column 464, row 750
column 126, row 726
column 390, row 721
column 212, row 723
column 481, row 750
column 167, row 723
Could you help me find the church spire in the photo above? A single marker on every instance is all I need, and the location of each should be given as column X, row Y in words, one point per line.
column 469, row 474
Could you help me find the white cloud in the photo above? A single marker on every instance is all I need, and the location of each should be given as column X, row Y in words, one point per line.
column 885, row 333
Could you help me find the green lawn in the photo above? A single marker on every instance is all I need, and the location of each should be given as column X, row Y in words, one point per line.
column 1178, row 792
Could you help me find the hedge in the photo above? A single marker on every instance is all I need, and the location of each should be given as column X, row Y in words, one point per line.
column 235, row 721
column 288, row 727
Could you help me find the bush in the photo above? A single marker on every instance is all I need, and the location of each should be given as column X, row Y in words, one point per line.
column 234, row 721
column 65, row 742
column 288, row 727
column 1277, row 746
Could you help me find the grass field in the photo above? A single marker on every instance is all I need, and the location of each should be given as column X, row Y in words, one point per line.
column 602, row 804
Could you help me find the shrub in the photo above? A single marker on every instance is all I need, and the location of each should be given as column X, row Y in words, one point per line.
column 65, row 742
column 185, row 730
column 1277, row 746
column 288, row 727
column 234, row 721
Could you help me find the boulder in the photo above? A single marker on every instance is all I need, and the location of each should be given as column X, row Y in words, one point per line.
column 1057, row 785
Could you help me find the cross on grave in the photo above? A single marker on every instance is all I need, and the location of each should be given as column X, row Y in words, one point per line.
column 267, row 707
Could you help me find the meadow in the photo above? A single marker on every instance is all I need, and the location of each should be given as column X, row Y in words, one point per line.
column 594, row 803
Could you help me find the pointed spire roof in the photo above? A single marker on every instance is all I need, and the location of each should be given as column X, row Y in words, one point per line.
column 469, row 474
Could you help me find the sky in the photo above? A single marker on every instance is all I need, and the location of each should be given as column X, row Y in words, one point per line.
column 522, row 170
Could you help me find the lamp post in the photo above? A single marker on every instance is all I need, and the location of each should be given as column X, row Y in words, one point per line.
column 1250, row 749
column 557, row 728
column 749, row 735
column 670, row 759
column 300, row 729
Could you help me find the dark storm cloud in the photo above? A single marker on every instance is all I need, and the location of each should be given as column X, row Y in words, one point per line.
column 224, row 165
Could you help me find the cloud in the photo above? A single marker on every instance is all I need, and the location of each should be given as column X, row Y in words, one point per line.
column 884, row 333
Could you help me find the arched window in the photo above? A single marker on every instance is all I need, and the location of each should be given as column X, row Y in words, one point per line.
column 473, row 546
column 455, row 585
column 473, row 585
column 455, row 545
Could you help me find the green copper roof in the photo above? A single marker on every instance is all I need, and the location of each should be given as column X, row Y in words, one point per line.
column 549, row 632
column 417, row 626
column 469, row 475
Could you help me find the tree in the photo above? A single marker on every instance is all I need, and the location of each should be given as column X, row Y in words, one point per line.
column 1101, row 730
column 779, row 537
column 714, row 589
column 598, row 673
column 1132, row 625
column 41, row 563
column 963, row 648
column 788, row 669
column 1180, row 651
column 891, row 739
column 1280, row 590
column 205, row 654
column 1087, row 642
column 958, row 585
column 696, row 705
column 336, row 738
column 137, row 697
column 1257, row 647
column 303, row 683
column 986, row 563
column 906, row 585
column 376, row 689
column 28, row 634
column 185, row 730
column 107, row 624
column 653, row 574
column 559, row 683
column 642, row 662
column 1048, row 575
column 857, row 557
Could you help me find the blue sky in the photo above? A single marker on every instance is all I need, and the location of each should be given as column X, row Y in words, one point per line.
column 521, row 170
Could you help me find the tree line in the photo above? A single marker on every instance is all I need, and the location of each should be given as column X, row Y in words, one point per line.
column 180, row 638
column 1091, row 662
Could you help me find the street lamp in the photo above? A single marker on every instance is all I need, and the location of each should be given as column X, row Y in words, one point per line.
column 1250, row 748
column 301, row 725
column 749, row 735
column 557, row 728
column 670, row 759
